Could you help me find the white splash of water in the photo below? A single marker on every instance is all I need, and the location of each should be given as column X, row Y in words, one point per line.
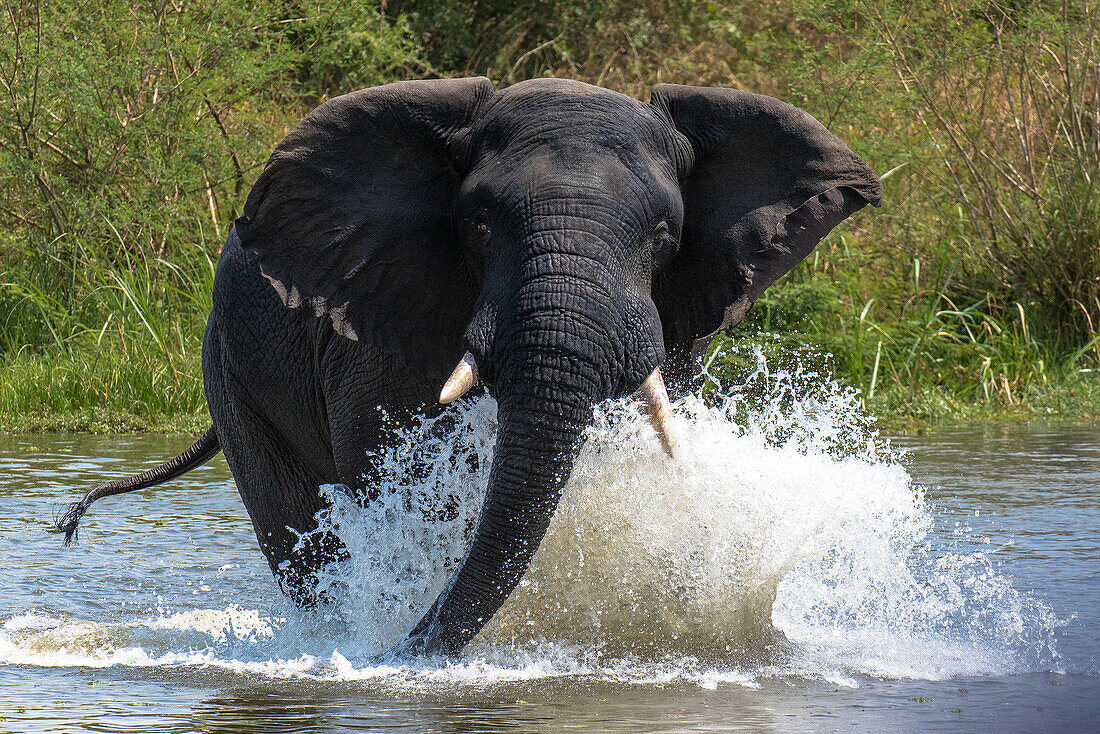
column 407, row 541
column 785, row 540
column 48, row 641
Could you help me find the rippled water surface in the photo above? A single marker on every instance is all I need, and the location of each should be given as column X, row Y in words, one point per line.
column 788, row 571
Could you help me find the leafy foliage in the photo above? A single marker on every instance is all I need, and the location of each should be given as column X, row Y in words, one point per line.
column 129, row 135
column 994, row 110
column 131, row 132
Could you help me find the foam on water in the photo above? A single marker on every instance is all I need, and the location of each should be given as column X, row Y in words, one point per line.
column 785, row 540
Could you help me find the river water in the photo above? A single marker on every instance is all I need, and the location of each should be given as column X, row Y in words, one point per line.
column 789, row 571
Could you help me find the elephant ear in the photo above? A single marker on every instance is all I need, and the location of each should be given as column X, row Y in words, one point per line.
column 768, row 182
column 351, row 218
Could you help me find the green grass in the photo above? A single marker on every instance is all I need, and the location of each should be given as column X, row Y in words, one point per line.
column 101, row 337
column 915, row 354
column 115, row 388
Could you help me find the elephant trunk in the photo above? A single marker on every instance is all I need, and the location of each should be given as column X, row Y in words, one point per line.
column 545, row 402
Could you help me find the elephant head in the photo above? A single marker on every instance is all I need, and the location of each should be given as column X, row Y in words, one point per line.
column 563, row 237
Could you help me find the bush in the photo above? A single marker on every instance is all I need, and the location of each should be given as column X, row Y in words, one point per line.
column 129, row 135
column 994, row 110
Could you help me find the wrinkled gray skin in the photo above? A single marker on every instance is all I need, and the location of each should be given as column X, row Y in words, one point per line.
column 571, row 238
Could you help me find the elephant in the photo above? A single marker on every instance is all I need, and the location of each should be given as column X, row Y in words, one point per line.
column 561, row 243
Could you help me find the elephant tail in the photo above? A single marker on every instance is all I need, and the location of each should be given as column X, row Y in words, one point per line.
column 200, row 452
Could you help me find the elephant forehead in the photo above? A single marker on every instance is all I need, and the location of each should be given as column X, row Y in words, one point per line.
column 556, row 161
column 536, row 91
column 571, row 185
column 572, row 116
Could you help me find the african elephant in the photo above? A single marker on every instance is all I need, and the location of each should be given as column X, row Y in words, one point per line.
column 561, row 243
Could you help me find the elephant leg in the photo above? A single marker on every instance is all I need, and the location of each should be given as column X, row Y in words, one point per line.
column 279, row 467
column 370, row 398
column 281, row 492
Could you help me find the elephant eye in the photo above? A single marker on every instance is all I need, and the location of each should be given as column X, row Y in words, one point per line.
column 664, row 247
column 479, row 225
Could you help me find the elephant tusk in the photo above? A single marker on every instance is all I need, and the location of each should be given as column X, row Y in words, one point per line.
column 657, row 406
column 461, row 380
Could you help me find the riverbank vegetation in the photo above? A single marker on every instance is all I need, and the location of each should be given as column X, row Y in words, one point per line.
column 130, row 134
